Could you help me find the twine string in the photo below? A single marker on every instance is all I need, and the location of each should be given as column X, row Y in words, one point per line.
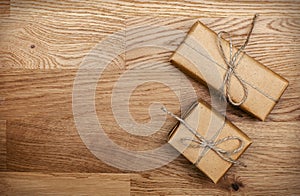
column 200, row 141
column 232, row 63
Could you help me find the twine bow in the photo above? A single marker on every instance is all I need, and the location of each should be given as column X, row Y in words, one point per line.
column 232, row 63
column 200, row 141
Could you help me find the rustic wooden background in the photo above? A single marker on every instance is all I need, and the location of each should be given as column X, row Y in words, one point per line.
column 42, row 44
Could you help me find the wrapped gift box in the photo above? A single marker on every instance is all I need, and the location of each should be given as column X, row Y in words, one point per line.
column 214, row 127
column 199, row 56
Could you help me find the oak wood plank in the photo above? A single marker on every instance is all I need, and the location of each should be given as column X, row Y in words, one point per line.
column 49, row 41
column 30, row 183
column 62, row 41
column 171, row 8
column 2, row 144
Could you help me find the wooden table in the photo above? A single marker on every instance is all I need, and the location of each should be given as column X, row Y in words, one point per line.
column 43, row 43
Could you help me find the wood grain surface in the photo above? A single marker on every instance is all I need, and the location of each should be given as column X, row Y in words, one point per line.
column 2, row 145
column 42, row 46
column 25, row 183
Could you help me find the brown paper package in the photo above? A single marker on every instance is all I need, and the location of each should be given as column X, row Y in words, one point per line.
column 199, row 57
column 206, row 121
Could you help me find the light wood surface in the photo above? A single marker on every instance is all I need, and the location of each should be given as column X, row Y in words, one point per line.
column 29, row 183
column 42, row 45
column 2, row 145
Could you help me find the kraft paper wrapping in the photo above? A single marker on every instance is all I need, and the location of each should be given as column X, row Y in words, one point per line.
column 199, row 57
column 207, row 122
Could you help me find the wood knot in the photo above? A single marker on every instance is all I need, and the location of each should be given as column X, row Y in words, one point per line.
column 232, row 183
column 235, row 186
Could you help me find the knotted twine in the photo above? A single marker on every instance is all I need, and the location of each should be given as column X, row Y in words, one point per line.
column 201, row 142
column 232, row 63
